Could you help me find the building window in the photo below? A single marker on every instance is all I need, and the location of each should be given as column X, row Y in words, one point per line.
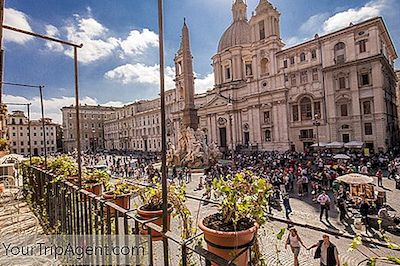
column 267, row 135
column 286, row 77
column 367, row 107
column 339, row 50
column 362, row 46
column 292, row 60
column 303, row 77
column 262, row 29
column 313, row 54
column 306, row 109
column 364, row 79
column 317, row 109
column 293, row 79
column 267, row 117
column 295, row 113
column 285, row 63
column 368, row 129
column 302, row 57
column 249, row 71
column 227, row 76
column 342, row 82
column 315, row 74
column 264, row 66
column 343, row 110
column 306, row 134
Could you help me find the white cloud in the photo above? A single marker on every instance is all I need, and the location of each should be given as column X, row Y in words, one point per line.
column 52, row 106
column 53, row 32
column 324, row 22
column 354, row 15
column 142, row 74
column 137, row 42
column 202, row 84
column 314, row 23
column 93, row 35
column 19, row 20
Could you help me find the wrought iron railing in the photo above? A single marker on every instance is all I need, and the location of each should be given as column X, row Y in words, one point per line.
column 63, row 208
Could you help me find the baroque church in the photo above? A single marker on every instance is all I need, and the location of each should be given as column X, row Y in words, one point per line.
column 336, row 88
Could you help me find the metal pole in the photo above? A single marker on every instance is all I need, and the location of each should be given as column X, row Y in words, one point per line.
column 163, row 132
column 1, row 50
column 43, row 125
column 78, row 124
column 28, row 105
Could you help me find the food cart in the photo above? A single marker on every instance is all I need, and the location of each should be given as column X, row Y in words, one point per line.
column 360, row 185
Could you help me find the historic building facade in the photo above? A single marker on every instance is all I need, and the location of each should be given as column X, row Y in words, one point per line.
column 18, row 135
column 337, row 87
column 92, row 119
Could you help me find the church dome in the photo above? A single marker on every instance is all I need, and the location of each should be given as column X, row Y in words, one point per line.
column 238, row 33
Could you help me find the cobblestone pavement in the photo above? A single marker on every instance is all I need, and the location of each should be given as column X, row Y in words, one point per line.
column 304, row 212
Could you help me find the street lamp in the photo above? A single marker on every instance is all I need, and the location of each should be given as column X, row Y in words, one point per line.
column 317, row 124
column 93, row 132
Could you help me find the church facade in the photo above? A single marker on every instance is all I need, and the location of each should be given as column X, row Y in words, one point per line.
column 337, row 87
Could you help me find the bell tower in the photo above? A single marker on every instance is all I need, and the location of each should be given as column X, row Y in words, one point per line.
column 184, row 81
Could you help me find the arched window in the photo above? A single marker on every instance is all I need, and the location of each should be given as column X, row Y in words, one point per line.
column 306, row 108
column 264, row 66
column 340, row 49
column 302, row 57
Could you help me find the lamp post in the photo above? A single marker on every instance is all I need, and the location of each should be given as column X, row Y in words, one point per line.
column 93, row 137
column 317, row 124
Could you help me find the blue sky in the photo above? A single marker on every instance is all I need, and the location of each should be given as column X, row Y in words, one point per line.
column 119, row 60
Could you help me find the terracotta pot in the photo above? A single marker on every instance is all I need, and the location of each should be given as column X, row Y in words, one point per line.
column 229, row 239
column 95, row 188
column 2, row 188
column 147, row 215
column 122, row 200
column 4, row 153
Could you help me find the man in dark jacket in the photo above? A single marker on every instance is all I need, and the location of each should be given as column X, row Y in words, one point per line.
column 326, row 252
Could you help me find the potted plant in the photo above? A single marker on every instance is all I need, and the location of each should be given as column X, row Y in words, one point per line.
column 4, row 147
column 151, row 199
column 119, row 193
column 93, row 181
column 244, row 203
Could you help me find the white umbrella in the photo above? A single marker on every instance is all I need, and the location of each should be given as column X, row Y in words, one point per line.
column 341, row 156
column 355, row 179
column 354, row 144
column 335, row 145
column 321, row 144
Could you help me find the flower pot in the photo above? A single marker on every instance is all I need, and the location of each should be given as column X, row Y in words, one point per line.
column 2, row 188
column 95, row 188
column 230, row 240
column 147, row 215
column 122, row 200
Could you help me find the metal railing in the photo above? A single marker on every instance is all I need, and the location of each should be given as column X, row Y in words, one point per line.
column 63, row 208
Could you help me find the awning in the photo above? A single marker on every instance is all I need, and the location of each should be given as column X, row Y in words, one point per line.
column 341, row 156
column 321, row 144
column 335, row 145
column 354, row 145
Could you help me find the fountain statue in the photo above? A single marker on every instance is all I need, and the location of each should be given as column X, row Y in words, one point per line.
column 192, row 150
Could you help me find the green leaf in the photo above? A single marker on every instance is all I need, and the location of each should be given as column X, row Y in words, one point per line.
column 281, row 233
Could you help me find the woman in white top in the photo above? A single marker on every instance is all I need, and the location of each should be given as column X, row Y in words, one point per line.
column 294, row 241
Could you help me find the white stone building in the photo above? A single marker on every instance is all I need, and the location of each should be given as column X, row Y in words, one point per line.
column 18, row 135
column 91, row 126
column 269, row 97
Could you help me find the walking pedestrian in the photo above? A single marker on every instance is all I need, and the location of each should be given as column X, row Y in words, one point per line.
column 324, row 202
column 364, row 211
column 341, row 204
column 326, row 252
column 286, row 205
column 294, row 241
column 379, row 175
